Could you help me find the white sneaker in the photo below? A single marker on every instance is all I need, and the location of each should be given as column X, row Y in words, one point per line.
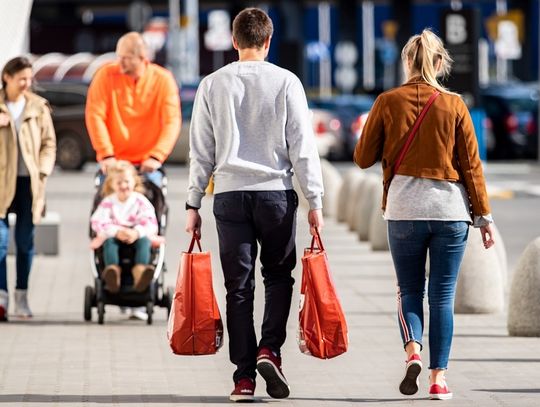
column 4, row 302
column 139, row 313
column 21, row 304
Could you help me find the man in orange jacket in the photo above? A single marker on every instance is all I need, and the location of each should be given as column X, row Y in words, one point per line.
column 133, row 110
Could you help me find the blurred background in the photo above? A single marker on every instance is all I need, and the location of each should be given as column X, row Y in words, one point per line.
column 345, row 52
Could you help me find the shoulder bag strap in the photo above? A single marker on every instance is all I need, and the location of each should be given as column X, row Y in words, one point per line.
column 414, row 130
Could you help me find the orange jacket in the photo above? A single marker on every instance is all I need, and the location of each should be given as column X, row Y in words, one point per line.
column 133, row 120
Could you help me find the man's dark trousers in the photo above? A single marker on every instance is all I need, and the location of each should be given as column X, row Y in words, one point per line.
column 243, row 219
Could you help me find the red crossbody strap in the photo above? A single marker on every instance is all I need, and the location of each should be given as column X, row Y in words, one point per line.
column 414, row 129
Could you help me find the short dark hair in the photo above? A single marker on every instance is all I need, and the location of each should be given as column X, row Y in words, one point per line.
column 251, row 28
column 13, row 66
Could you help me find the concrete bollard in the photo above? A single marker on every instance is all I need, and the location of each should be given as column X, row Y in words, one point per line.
column 369, row 189
column 46, row 238
column 354, row 194
column 378, row 231
column 524, row 300
column 344, row 197
column 480, row 287
column 332, row 185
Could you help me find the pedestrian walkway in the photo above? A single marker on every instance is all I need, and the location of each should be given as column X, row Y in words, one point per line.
column 59, row 360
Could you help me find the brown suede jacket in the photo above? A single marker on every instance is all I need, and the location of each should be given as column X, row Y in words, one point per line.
column 444, row 147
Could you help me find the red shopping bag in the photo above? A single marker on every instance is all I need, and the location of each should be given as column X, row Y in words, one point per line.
column 195, row 326
column 322, row 330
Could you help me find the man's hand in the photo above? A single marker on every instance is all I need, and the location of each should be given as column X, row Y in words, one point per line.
column 4, row 119
column 127, row 235
column 193, row 222
column 150, row 165
column 315, row 220
column 488, row 240
column 105, row 163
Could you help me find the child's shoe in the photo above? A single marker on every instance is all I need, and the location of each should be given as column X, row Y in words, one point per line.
column 111, row 276
column 142, row 275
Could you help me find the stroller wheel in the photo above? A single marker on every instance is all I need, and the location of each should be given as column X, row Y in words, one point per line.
column 101, row 312
column 88, row 301
column 149, row 311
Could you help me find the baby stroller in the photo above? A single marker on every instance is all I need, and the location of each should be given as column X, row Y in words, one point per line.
column 156, row 293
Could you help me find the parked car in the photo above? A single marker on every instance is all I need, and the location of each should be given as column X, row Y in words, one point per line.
column 347, row 108
column 328, row 133
column 512, row 118
column 67, row 101
column 74, row 148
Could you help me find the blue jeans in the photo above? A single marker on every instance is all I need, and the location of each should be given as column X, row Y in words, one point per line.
column 410, row 242
column 24, row 236
column 243, row 219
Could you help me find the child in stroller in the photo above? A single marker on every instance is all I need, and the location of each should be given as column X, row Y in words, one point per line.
column 128, row 250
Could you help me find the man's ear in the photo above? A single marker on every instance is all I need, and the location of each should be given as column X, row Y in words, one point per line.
column 234, row 43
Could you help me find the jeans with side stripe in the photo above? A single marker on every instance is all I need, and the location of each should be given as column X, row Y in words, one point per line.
column 410, row 241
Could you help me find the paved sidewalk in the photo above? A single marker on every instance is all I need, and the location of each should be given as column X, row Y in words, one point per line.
column 59, row 360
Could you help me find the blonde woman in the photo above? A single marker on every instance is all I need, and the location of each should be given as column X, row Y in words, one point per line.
column 429, row 203
column 27, row 155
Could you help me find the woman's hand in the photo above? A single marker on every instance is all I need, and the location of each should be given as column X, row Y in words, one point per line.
column 487, row 236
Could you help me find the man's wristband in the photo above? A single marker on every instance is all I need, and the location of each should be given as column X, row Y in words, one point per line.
column 188, row 206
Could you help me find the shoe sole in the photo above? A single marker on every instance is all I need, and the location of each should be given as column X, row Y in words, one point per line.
column 437, row 396
column 276, row 385
column 409, row 384
column 237, row 398
column 111, row 283
column 144, row 280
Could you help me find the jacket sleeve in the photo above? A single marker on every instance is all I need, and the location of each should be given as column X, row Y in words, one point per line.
column 47, row 151
column 171, row 120
column 302, row 147
column 97, row 103
column 146, row 218
column 469, row 162
column 369, row 148
column 202, row 147
column 101, row 220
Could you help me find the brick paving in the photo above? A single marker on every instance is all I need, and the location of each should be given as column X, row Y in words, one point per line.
column 57, row 359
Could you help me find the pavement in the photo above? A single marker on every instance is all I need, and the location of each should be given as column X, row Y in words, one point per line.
column 57, row 359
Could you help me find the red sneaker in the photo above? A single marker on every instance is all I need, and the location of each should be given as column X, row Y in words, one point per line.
column 409, row 384
column 3, row 314
column 438, row 392
column 244, row 391
column 269, row 367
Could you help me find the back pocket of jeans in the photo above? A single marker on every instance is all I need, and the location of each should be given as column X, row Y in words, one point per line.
column 400, row 229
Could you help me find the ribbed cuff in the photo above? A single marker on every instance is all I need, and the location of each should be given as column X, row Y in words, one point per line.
column 315, row 202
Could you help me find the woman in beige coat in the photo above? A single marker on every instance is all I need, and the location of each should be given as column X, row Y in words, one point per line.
column 27, row 154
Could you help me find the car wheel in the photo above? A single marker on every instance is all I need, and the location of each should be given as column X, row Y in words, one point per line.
column 70, row 151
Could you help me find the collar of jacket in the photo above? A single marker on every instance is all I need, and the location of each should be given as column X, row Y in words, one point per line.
column 34, row 104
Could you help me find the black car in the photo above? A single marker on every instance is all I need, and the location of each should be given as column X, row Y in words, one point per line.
column 73, row 146
column 512, row 116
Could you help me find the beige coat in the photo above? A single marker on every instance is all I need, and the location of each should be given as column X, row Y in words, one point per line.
column 38, row 144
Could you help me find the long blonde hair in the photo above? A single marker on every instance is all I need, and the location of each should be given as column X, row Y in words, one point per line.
column 422, row 53
column 121, row 167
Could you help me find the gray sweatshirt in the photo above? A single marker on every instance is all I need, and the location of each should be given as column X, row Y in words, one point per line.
column 251, row 129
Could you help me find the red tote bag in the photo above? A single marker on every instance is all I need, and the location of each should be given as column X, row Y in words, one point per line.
column 195, row 326
column 322, row 330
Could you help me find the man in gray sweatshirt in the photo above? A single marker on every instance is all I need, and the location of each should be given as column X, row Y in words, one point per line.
column 251, row 129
